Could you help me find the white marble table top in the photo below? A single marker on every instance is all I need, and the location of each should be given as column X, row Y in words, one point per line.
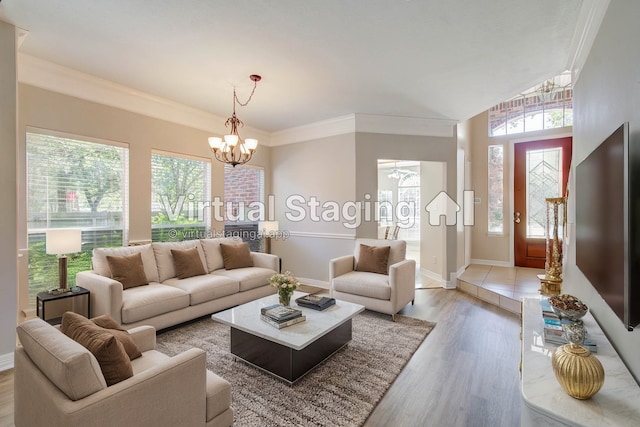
column 616, row 404
column 246, row 317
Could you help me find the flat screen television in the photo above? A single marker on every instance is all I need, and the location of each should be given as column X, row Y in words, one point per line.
column 607, row 223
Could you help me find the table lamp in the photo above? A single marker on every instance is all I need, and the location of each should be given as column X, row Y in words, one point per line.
column 268, row 229
column 63, row 241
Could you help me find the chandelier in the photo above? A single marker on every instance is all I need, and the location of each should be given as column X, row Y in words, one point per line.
column 232, row 149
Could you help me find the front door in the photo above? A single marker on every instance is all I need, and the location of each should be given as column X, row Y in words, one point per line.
column 541, row 170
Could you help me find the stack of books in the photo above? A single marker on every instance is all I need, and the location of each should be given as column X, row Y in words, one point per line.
column 315, row 302
column 553, row 332
column 281, row 317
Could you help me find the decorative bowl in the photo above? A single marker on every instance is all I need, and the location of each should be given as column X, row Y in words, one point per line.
column 568, row 307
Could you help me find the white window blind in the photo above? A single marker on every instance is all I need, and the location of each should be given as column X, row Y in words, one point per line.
column 73, row 182
column 181, row 192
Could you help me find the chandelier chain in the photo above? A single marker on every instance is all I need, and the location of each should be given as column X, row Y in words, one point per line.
column 235, row 96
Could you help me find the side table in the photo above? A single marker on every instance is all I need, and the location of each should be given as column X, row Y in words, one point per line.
column 50, row 307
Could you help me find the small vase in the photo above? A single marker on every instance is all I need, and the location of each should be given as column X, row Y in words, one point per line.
column 284, row 298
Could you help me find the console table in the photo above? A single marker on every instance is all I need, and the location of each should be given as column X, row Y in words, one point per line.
column 545, row 403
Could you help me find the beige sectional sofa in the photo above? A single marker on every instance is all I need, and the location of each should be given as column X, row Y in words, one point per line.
column 168, row 300
column 58, row 382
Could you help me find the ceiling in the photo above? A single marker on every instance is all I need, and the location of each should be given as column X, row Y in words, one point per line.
column 319, row 59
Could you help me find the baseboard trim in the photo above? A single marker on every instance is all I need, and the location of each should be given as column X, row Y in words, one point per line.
column 6, row 362
column 491, row 262
column 432, row 275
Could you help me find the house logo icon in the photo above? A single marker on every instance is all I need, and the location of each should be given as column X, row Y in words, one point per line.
column 443, row 205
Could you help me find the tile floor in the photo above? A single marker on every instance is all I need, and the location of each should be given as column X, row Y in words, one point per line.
column 501, row 286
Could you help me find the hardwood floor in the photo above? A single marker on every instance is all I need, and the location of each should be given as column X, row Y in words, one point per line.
column 466, row 372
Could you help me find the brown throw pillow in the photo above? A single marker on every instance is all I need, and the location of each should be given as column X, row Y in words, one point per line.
column 187, row 263
column 121, row 335
column 373, row 259
column 128, row 270
column 236, row 256
column 109, row 352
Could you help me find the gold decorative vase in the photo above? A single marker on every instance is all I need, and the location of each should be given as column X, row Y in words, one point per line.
column 578, row 371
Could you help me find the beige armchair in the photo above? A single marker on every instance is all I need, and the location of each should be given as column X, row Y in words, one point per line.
column 385, row 293
column 58, row 382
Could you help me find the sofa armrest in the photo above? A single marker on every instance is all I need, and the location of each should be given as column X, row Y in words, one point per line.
column 402, row 278
column 272, row 262
column 144, row 337
column 340, row 266
column 178, row 382
column 106, row 294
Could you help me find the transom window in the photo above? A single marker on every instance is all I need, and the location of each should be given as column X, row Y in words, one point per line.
column 545, row 106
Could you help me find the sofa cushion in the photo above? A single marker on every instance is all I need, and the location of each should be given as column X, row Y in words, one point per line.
column 100, row 265
column 365, row 284
column 67, row 364
column 373, row 259
column 148, row 301
column 164, row 259
column 249, row 277
column 397, row 249
column 236, row 255
column 128, row 270
column 187, row 263
column 205, row 288
column 121, row 335
column 109, row 352
column 213, row 253
column 218, row 395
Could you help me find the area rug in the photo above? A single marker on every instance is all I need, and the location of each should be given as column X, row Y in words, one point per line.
column 342, row 391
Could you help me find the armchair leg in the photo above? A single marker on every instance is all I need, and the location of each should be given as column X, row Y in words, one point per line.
column 412, row 301
column 393, row 317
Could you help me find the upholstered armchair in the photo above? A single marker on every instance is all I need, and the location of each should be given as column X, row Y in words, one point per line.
column 58, row 382
column 381, row 279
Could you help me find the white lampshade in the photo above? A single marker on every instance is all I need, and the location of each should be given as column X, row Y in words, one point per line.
column 62, row 241
column 268, row 227
column 231, row 140
column 215, row 142
column 251, row 143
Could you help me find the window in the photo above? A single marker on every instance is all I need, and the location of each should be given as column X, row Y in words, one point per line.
column 409, row 200
column 243, row 194
column 544, row 179
column 180, row 196
column 546, row 106
column 73, row 183
column 496, row 189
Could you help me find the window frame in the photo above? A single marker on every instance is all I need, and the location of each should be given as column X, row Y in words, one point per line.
column 490, row 211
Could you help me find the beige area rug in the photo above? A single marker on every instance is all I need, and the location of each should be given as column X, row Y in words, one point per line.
column 342, row 391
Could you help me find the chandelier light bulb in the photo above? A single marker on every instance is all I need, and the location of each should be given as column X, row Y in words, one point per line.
column 231, row 140
column 251, row 143
column 215, row 143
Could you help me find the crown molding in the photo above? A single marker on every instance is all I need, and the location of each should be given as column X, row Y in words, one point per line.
column 57, row 78
column 369, row 123
column 589, row 19
column 322, row 129
column 397, row 125
column 47, row 75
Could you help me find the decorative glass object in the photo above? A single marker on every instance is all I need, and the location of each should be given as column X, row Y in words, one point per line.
column 578, row 371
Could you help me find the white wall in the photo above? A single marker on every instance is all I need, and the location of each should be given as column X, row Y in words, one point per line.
column 370, row 147
column 8, row 240
column 324, row 169
column 432, row 237
column 607, row 94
